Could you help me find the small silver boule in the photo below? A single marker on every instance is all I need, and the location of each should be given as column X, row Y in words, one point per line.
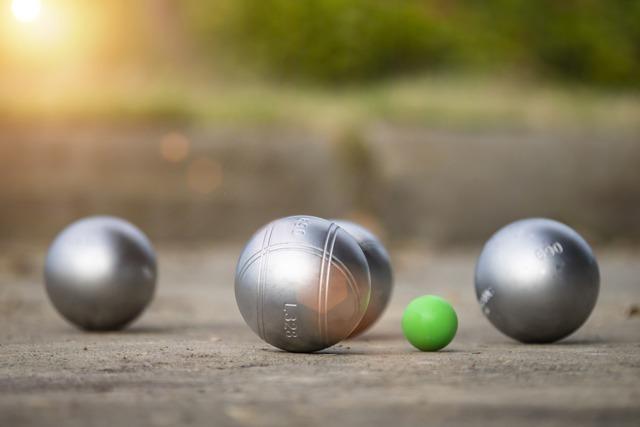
column 380, row 269
column 100, row 273
column 302, row 283
column 537, row 280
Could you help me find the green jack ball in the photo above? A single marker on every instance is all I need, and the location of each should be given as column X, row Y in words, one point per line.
column 429, row 323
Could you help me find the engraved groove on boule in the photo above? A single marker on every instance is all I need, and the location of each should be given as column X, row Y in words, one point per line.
column 287, row 268
column 321, row 282
column 250, row 260
column 262, row 278
column 312, row 250
column 327, row 279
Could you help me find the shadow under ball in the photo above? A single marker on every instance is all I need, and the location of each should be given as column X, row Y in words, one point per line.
column 100, row 273
column 537, row 280
column 302, row 283
column 380, row 269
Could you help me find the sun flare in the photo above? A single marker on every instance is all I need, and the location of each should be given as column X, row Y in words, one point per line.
column 26, row 10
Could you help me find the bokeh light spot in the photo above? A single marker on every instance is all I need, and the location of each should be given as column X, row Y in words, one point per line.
column 204, row 175
column 174, row 147
column 26, row 10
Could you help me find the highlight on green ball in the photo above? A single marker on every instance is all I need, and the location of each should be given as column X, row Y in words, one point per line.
column 429, row 323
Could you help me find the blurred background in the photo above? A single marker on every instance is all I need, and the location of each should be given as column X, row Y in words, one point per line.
column 434, row 122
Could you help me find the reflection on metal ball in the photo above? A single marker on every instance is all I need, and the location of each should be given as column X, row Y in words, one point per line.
column 302, row 283
column 380, row 269
column 100, row 273
column 537, row 280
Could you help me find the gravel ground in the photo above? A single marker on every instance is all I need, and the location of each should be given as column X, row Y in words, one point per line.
column 191, row 360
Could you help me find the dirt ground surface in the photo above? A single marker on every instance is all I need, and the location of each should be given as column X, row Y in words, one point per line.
column 191, row 360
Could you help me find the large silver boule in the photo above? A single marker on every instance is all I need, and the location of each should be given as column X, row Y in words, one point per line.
column 302, row 283
column 100, row 273
column 380, row 269
column 537, row 280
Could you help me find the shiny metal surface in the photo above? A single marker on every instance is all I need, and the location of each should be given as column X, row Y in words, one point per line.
column 537, row 280
column 380, row 269
column 302, row 283
column 100, row 273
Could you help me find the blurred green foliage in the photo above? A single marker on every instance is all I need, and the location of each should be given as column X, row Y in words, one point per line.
column 591, row 41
